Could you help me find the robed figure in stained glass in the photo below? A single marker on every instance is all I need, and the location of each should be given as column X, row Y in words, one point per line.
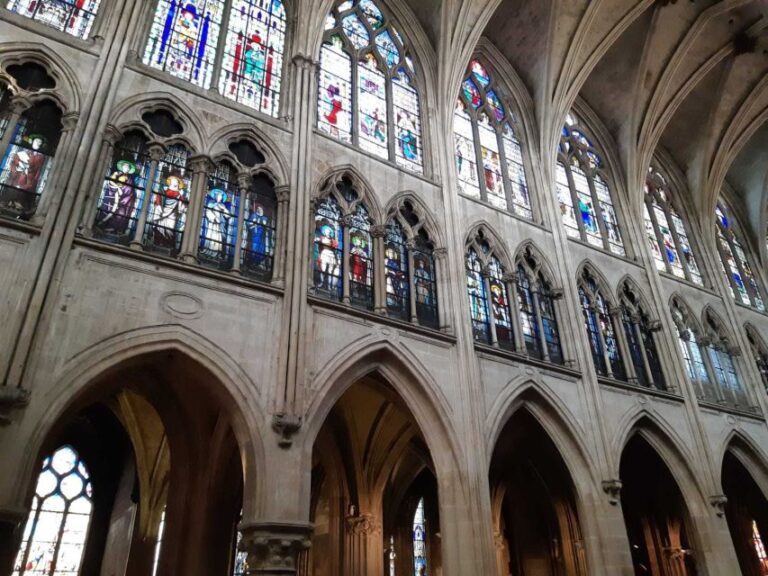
column 258, row 235
column 119, row 200
column 216, row 224
column 25, row 166
column 168, row 212
column 184, row 38
column 326, row 261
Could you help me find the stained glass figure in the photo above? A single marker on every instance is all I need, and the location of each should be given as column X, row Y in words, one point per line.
column 26, row 163
column 527, row 312
column 253, row 54
column 169, row 201
column 362, row 48
column 55, row 534
column 500, row 303
column 665, row 230
column 586, row 205
column 478, row 301
column 259, row 221
column 742, row 282
column 425, row 282
column 549, row 322
column 122, row 194
column 218, row 229
column 328, row 255
column 419, row 541
column 601, row 331
column 489, row 159
column 75, row 17
column 184, row 38
column 396, row 272
column 360, row 259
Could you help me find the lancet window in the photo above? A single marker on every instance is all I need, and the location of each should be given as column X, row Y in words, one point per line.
column 601, row 329
column 690, row 341
column 666, row 233
column 343, row 256
column 583, row 191
column 760, row 354
column 489, row 156
column 639, row 331
column 419, row 540
column 55, row 534
column 367, row 89
column 742, row 282
column 536, row 308
column 237, row 43
column 75, row 17
column 488, row 291
column 28, row 143
column 722, row 353
column 409, row 268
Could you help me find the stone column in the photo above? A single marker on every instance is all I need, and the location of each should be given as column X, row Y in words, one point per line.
column 156, row 153
column 621, row 339
column 379, row 279
column 283, row 194
column 58, row 167
column 441, row 275
column 569, row 359
column 273, row 548
column 111, row 136
column 201, row 167
column 510, row 281
column 362, row 554
column 639, row 337
column 243, row 183
column 539, row 322
column 17, row 108
column 11, row 525
column 411, row 245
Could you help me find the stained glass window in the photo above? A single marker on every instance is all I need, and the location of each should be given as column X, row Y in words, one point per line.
column 419, row 541
column 259, row 233
column 218, row 230
column 665, row 231
column 760, row 354
column 343, row 244
column 742, row 282
column 54, row 536
column 26, row 163
column 488, row 296
column 253, row 54
column 536, row 309
column 122, row 193
column 601, row 331
column 641, row 344
column 240, row 565
column 184, row 38
column 757, row 542
column 688, row 339
column 720, row 353
column 167, row 214
column 362, row 49
column 586, row 206
column 489, row 157
column 396, row 272
column 74, row 17
column 158, row 543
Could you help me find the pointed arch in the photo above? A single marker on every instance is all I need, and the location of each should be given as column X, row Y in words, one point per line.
column 274, row 159
column 495, row 240
column 358, row 181
column 544, row 263
column 82, row 375
column 429, row 223
column 749, row 454
column 602, row 282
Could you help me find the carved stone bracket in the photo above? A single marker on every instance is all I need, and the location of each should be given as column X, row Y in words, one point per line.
column 364, row 524
column 273, row 548
column 10, row 398
column 718, row 502
column 613, row 489
column 286, row 425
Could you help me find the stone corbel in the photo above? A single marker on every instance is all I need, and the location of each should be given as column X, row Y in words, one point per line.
column 273, row 548
column 286, row 425
column 364, row 524
column 654, row 326
column 11, row 397
column 718, row 502
column 613, row 489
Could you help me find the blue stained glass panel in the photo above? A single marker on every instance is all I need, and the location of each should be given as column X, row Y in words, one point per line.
column 471, row 93
column 387, row 49
column 372, row 14
column 335, row 98
column 480, row 73
column 355, row 31
column 328, row 250
column 495, row 104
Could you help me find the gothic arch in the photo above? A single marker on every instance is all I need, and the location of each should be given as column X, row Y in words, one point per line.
column 429, row 223
column 82, row 373
column 602, row 283
column 749, row 454
column 360, row 183
column 544, row 264
column 670, row 448
column 498, row 245
column 131, row 109
column 725, row 331
column 274, row 160
column 68, row 90
column 677, row 301
column 635, row 288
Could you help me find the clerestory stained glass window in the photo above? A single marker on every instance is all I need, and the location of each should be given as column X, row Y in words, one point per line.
column 75, row 17
column 742, row 283
column 54, row 536
column 600, row 327
column 366, row 93
column 586, row 207
column 641, row 344
column 489, row 156
column 665, row 231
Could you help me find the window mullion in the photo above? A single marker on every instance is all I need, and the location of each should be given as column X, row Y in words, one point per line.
column 58, row 539
column 479, row 157
column 355, row 102
column 598, row 212
column 505, row 170
column 658, row 234
column 32, row 530
column 221, row 47
column 391, row 144
column 678, row 244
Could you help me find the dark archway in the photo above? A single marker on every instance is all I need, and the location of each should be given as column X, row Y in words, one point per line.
column 747, row 515
column 655, row 514
column 371, row 468
column 535, row 514
column 158, row 442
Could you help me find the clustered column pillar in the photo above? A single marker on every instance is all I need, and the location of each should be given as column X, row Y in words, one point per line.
column 63, row 151
column 283, row 194
column 273, row 548
column 106, row 156
column 201, row 167
column 364, row 546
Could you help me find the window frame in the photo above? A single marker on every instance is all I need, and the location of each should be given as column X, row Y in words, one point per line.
column 597, row 308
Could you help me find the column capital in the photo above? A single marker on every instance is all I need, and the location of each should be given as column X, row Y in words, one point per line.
column 286, row 425
column 69, row 121
column 612, row 488
column 18, row 105
column 156, row 151
column 347, row 220
column 305, row 61
column 283, row 193
column 440, row 253
column 654, row 325
column 273, row 548
column 557, row 293
column 509, row 277
column 378, row 230
column 112, row 134
column 243, row 180
column 364, row 524
column 200, row 163
column 11, row 398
